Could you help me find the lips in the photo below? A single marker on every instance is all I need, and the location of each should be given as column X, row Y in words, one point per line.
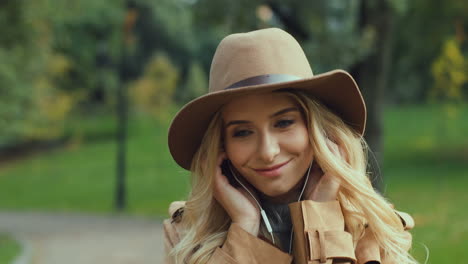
column 273, row 171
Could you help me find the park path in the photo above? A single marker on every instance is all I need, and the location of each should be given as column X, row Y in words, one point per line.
column 63, row 238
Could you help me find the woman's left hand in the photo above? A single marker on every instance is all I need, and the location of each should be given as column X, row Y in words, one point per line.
column 324, row 186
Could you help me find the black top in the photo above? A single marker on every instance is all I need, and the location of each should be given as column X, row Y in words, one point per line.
column 280, row 221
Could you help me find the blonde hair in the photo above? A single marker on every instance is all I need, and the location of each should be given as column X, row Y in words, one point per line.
column 206, row 222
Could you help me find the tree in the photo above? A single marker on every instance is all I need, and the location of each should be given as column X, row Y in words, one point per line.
column 32, row 107
column 371, row 72
column 153, row 92
column 422, row 27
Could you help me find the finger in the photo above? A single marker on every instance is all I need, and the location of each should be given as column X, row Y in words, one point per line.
column 223, row 190
column 343, row 153
column 220, row 181
column 326, row 189
column 222, row 184
column 337, row 150
column 333, row 147
column 222, row 156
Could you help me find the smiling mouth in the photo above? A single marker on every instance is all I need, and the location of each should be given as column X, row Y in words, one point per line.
column 272, row 171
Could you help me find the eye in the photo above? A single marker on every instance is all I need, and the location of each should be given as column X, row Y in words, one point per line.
column 284, row 123
column 242, row 133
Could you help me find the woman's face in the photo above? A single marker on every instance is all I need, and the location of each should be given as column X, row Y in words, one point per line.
column 266, row 140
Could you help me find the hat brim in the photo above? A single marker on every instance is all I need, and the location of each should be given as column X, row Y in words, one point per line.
column 335, row 89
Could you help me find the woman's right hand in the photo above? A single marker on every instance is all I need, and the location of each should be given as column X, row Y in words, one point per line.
column 237, row 202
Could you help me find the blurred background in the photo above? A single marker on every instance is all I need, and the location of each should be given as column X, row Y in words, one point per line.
column 88, row 89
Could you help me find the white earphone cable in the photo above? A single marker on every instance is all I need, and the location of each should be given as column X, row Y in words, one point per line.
column 300, row 196
column 262, row 212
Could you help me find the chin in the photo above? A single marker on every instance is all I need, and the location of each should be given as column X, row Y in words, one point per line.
column 275, row 192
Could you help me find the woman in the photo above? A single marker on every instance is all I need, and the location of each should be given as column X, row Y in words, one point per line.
column 278, row 165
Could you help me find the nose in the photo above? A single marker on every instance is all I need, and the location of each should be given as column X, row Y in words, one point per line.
column 268, row 148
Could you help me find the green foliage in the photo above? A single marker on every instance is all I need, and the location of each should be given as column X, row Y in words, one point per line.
column 51, row 109
column 320, row 26
column 31, row 106
column 9, row 249
column 421, row 30
column 85, row 30
column 196, row 83
column 153, row 92
column 57, row 57
column 450, row 72
column 177, row 20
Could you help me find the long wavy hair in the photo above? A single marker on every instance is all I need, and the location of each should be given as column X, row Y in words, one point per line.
column 205, row 222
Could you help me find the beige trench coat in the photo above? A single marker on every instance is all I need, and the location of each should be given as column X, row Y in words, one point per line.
column 319, row 237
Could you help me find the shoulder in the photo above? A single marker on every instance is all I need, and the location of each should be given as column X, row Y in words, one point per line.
column 172, row 225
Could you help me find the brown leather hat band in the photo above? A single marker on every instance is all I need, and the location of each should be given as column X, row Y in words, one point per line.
column 263, row 79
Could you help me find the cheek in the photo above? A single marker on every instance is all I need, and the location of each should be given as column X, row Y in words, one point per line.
column 238, row 152
column 297, row 142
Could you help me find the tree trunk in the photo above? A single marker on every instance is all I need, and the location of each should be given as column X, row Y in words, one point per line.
column 372, row 76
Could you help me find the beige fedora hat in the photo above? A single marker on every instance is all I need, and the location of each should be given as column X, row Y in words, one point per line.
column 261, row 61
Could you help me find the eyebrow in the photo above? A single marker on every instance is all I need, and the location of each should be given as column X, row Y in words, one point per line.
column 280, row 112
column 284, row 111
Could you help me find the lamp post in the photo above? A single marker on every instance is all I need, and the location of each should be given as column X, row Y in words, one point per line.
column 122, row 103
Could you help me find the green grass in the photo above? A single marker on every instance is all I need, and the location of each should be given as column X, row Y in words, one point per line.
column 426, row 169
column 81, row 176
column 9, row 249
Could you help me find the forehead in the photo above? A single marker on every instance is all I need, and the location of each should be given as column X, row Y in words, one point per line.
column 256, row 105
